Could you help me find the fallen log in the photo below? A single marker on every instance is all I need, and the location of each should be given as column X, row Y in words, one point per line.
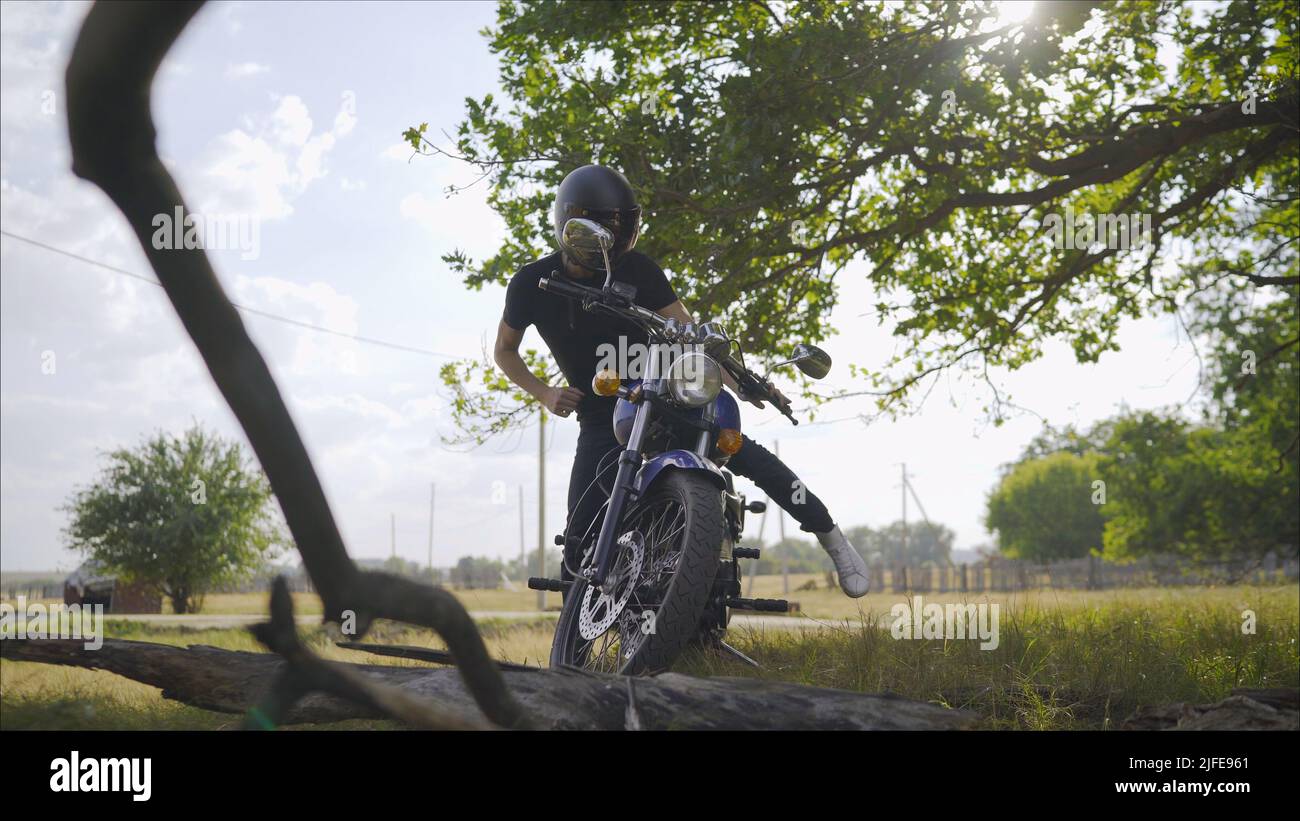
column 401, row 651
column 1244, row 709
column 233, row 682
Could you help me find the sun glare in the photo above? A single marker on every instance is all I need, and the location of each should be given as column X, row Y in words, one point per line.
column 1014, row 11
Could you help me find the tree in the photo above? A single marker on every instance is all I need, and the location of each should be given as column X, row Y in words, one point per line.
column 914, row 543
column 1194, row 491
column 1047, row 508
column 398, row 566
column 792, row 554
column 1254, row 388
column 1224, row 487
column 517, row 570
column 979, row 169
column 477, row 572
column 185, row 513
column 1068, row 439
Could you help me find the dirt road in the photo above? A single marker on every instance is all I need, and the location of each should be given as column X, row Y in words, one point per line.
column 200, row 621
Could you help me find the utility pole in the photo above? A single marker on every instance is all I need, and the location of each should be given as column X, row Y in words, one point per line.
column 780, row 523
column 903, row 555
column 541, row 504
column 433, row 489
column 523, row 549
column 924, row 516
column 392, row 534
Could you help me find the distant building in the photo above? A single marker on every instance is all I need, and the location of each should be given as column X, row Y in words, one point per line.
column 89, row 584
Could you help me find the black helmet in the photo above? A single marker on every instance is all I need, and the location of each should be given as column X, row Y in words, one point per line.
column 604, row 196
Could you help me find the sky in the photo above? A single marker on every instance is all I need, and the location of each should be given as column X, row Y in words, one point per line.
column 291, row 115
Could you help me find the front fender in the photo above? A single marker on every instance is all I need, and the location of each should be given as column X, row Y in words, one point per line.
column 677, row 460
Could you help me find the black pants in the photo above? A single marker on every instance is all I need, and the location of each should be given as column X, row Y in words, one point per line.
column 753, row 461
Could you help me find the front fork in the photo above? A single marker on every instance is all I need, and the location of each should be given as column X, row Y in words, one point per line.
column 629, row 462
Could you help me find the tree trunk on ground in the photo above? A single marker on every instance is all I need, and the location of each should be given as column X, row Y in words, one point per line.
column 1245, row 709
column 232, row 682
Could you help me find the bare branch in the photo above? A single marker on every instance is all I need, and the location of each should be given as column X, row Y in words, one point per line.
column 111, row 130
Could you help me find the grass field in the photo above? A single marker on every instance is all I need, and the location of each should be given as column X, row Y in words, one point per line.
column 821, row 602
column 308, row 604
column 1065, row 660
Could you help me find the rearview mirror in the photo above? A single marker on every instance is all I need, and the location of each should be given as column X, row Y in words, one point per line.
column 587, row 242
column 812, row 360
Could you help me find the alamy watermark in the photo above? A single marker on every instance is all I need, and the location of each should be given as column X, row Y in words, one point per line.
column 632, row 360
column 22, row 620
column 919, row 620
column 77, row 774
column 1119, row 232
column 212, row 232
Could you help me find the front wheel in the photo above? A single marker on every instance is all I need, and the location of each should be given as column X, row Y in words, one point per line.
column 667, row 556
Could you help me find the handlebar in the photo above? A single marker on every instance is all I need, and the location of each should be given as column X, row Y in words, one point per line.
column 752, row 385
column 749, row 382
column 563, row 287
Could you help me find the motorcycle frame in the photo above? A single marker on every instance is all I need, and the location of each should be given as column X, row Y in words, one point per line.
column 636, row 476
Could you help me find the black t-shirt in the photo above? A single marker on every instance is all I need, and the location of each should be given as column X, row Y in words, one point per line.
column 574, row 335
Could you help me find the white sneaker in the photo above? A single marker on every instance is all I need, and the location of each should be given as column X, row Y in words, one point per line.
column 849, row 565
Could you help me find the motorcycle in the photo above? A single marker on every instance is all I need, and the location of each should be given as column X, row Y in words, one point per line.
column 658, row 568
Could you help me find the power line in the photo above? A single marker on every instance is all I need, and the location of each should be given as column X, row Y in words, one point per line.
column 779, row 417
column 246, row 309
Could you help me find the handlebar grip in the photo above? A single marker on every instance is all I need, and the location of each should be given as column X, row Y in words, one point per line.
column 558, row 286
column 751, row 384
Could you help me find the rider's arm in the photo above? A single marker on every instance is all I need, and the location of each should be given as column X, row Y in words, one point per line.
column 506, row 354
column 678, row 312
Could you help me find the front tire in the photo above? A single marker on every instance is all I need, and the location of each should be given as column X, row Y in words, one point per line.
column 682, row 525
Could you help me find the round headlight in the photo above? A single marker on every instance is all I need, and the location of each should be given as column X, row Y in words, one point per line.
column 695, row 379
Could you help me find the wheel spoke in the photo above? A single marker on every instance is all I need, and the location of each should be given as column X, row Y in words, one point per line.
column 662, row 525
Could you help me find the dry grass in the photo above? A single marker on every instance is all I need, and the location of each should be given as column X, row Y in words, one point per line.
column 1077, row 661
column 1065, row 660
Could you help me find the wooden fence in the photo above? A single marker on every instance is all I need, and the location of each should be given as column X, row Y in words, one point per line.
column 1001, row 575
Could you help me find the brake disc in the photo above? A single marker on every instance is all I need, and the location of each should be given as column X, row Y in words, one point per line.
column 600, row 609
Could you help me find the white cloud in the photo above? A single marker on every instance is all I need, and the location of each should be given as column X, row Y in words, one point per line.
column 316, row 304
column 462, row 220
column 230, row 11
column 291, row 123
column 311, row 160
column 346, row 119
column 238, row 71
column 419, row 208
column 260, row 168
column 248, row 175
column 354, row 406
column 398, row 151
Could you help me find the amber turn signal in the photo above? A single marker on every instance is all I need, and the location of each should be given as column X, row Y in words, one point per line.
column 729, row 442
column 606, row 383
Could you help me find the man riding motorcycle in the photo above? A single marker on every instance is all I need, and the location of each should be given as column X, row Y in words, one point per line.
column 576, row 339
